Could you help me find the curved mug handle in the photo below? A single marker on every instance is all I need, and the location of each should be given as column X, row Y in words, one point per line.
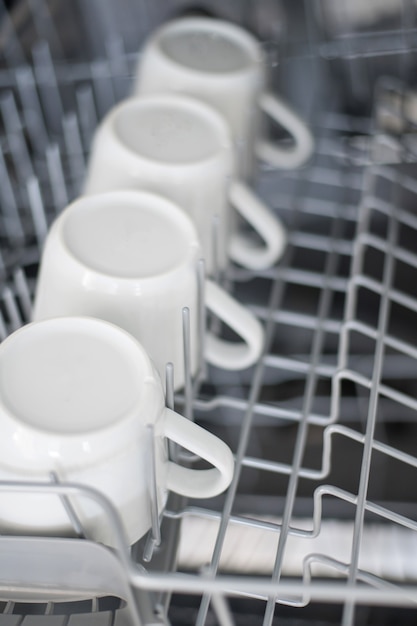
column 191, row 482
column 226, row 354
column 285, row 158
column 262, row 220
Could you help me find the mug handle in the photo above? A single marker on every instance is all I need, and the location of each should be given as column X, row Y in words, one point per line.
column 285, row 158
column 226, row 354
column 262, row 220
column 191, row 482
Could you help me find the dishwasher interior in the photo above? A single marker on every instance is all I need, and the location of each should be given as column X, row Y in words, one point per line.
column 319, row 525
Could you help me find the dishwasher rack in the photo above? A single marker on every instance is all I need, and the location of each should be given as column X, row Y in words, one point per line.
column 320, row 522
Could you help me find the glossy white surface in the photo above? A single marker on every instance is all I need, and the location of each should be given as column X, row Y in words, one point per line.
column 205, row 50
column 93, row 387
column 119, row 240
column 104, row 257
column 94, row 431
column 223, row 65
column 167, row 133
column 181, row 148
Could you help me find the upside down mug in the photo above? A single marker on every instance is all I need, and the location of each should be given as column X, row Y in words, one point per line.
column 131, row 258
column 79, row 397
column 181, row 148
column 223, row 65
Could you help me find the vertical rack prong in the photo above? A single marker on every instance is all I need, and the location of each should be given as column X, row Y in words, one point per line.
column 8, row 609
column 215, row 252
column 15, row 137
column 154, row 539
column 216, row 274
column 56, row 176
column 102, row 86
column 221, row 609
column 87, row 114
column 201, row 280
column 44, row 25
column 15, row 320
column 10, row 114
column 47, row 83
column 49, row 608
column 116, row 55
column 32, row 111
column 69, row 509
column 3, row 329
column 11, row 51
column 13, row 226
column 75, row 150
column 2, row 267
column 37, row 210
column 169, row 385
column 169, row 401
column 188, row 383
column 23, row 293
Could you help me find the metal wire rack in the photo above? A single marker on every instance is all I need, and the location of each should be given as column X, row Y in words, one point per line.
column 319, row 524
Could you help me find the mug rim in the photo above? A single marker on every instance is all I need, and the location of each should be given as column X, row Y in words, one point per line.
column 50, row 447
column 234, row 32
column 205, row 112
column 135, row 196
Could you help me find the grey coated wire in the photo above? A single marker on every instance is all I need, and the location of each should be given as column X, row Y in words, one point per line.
column 102, row 84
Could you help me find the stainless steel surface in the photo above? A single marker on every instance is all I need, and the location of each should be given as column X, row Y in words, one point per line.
column 320, row 522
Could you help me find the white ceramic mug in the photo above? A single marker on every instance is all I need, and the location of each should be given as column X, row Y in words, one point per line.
column 223, row 65
column 181, row 148
column 131, row 258
column 80, row 398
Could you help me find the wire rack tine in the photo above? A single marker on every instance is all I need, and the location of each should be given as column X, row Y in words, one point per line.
column 8, row 609
column 102, row 86
column 188, row 381
column 44, row 24
column 201, row 279
column 169, row 385
column 49, row 92
column 37, row 209
column 87, row 114
column 2, row 266
column 74, row 149
column 32, row 111
column 13, row 227
column 119, row 67
column 13, row 314
column 56, row 177
column 169, row 401
column 23, row 293
column 12, row 49
column 154, row 538
column 215, row 251
column 66, row 502
column 222, row 611
column 3, row 329
column 14, row 132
